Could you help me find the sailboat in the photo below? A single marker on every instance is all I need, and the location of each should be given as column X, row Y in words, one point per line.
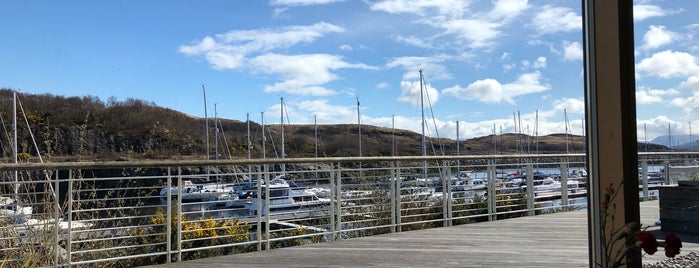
column 11, row 207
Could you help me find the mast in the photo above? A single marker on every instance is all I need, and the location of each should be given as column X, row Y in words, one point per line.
column 458, row 152
column 536, row 131
column 283, row 166
column 315, row 126
column 393, row 135
column 264, row 138
column 565, row 123
column 422, row 110
column 14, row 131
column 359, row 128
column 247, row 117
column 495, row 141
column 206, row 124
column 216, row 129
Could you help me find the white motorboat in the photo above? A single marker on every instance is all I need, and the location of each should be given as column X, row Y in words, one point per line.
column 201, row 192
column 282, row 197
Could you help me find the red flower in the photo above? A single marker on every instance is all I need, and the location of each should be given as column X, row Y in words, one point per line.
column 608, row 190
column 672, row 245
column 604, row 205
column 648, row 242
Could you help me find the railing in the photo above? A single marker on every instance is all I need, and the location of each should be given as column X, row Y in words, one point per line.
column 133, row 213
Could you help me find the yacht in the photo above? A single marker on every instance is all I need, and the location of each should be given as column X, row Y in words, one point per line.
column 282, row 198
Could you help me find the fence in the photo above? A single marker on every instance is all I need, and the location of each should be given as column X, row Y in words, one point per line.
column 150, row 212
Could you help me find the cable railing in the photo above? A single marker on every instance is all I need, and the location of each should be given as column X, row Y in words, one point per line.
column 151, row 212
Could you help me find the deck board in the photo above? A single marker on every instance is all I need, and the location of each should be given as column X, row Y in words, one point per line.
column 551, row 240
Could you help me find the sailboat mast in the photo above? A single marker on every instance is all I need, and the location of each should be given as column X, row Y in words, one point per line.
column 264, row 138
column 315, row 132
column 422, row 110
column 247, row 117
column 359, row 128
column 14, row 131
column 393, row 135
column 206, row 123
column 282, row 132
column 565, row 118
column 216, row 129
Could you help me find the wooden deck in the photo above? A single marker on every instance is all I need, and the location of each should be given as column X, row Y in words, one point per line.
column 552, row 240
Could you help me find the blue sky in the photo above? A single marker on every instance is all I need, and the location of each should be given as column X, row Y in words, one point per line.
column 483, row 61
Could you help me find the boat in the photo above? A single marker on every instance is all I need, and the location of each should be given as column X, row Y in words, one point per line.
column 202, row 192
column 11, row 208
column 282, row 198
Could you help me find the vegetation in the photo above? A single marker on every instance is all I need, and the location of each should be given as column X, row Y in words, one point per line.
column 87, row 128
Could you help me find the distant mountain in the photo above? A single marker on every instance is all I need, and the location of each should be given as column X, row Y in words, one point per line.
column 680, row 141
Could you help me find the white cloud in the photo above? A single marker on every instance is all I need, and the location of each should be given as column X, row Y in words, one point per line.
column 692, row 83
column 556, row 19
column 414, row 41
column 505, row 56
column 491, row 91
column 508, row 9
column 410, row 93
column 540, row 63
column 302, row 74
column 230, row 50
column 570, row 105
column 346, row 47
column 668, row 64
column 382, row 85
column 657, row 36
column 642, row 12
column 477, row 33
column 432, row 66
column 421, row 7
column 302, row 2
column 652, row 96
column 572, row 51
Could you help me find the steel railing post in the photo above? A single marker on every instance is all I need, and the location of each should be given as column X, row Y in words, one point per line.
column 564, row 184
column 530, row 189
column 69, row 212
column 492, row 197
column 168, row 216
column 179, row 214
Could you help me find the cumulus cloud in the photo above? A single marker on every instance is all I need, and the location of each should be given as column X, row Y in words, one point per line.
column 251, row 50
column 492, row 91
column 657, row 36
column 410, row 93
column 669, row 64
column 229, row 50
column 651, row 96
column 540, row 63
column 473, row 30
column 302, row 74
column 301, row 2
column 432, row 66
column 421, row 7
column 572, row 51
column 556, row 19
column 642, row 12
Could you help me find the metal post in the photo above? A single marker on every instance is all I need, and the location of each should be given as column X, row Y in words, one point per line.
column 564, row 185
column 492, row 197
column 334, row 204
column 644, row 177
column 395, row 195
column 168, row 215
column 179, row 214
column 338, row 193
column 69, row 212
column 57, row 218
column 399, row 204
column 530, row 189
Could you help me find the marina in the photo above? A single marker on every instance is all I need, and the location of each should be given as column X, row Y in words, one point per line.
column 135, row 213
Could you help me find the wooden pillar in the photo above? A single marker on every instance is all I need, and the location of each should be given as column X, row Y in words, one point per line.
column 612, row 152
